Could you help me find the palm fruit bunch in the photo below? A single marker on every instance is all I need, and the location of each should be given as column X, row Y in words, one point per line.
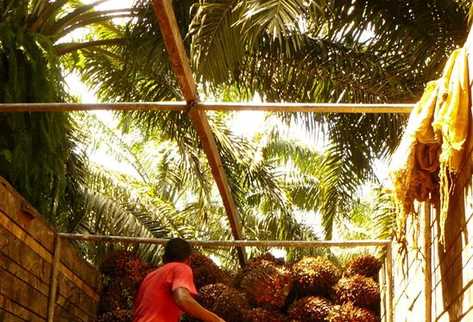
column 267, row 284
column 123, row 272
column 263, row 315
column 124, row 264
column 258, row 261
column 350, row 313
column 225, row 301
column 365, row 265
column 310, row 309
column 360, row 290
column 315, row 275
column 206, row 271
column 117, row 315
column 266, row 257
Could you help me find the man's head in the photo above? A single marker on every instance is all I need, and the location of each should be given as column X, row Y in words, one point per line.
column 177, row 250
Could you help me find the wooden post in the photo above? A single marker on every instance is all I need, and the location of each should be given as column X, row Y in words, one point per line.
column 53, row 282
column 389, row 283
column 181, row 67
column 427, row 262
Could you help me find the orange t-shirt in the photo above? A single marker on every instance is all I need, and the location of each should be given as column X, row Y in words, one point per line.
column 154, row 301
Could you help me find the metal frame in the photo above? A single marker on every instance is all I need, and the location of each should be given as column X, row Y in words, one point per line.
column 181, row 106
column 386, row 244
column 196, row 110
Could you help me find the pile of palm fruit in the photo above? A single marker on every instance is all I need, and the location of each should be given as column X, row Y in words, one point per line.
column 312, row 289
column 122, row 273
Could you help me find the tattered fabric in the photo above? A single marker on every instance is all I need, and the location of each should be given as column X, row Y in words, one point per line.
column 432, row 149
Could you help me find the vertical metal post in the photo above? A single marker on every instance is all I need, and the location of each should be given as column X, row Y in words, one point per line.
column 382, row 284
column 389, row 284
column 53, row 281
column 427, row 262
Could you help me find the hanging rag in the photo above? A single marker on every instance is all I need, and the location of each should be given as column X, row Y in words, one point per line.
column 432, row 150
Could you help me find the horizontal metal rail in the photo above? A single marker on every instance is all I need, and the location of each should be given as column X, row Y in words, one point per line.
column 211, row 106
column 387, row 244
column 232, row 243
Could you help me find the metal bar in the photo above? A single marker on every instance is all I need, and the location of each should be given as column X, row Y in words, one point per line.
column 233, row 243
column 389, row 283
column 427, row 262
column 382, row 286
column 69, row 107
column 53, row 286
column 309, row 107
column 212, row 106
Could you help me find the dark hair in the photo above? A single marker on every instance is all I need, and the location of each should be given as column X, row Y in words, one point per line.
column 176, row 250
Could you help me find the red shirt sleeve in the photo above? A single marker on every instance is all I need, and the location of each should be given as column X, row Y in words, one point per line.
column 183, row 277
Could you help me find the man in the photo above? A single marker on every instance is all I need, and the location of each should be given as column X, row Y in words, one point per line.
column 167, row 292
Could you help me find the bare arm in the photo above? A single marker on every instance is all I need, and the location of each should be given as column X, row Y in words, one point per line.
column 186, row 302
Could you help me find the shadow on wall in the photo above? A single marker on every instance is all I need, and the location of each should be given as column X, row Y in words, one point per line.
column 450, row 256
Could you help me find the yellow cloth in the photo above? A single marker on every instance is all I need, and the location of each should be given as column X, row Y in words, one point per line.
column 432, row 149
column 403, row 165
column 452, row 111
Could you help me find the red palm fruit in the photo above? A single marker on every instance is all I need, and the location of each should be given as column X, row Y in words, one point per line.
column 206, row 271
column 350, row 313
column 267, row 284
column 315, row 275
column 310, row 309
column 263, row 315
column 225, row 301
column 366, row 265
column 360, row 290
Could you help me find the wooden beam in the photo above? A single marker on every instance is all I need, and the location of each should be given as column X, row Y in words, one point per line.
column 212, row 106
column 181, row 67
column 175, row 47
column 232, row 243
column 201, row 123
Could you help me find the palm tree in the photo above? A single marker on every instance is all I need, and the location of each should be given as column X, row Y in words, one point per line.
column 38, row 151
column 288, row 50
column 171, row 193
column 361, row 51
column 329, row 51
column 89, row 199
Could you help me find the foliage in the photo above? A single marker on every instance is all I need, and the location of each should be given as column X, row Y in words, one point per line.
column 329, row 51
column 123, row 273
column 38, row 151
column 283, row 50
column 169, row 191
column 36, row 148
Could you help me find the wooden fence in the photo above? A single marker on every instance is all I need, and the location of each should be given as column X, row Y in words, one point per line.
column 27, row 247
column 435, row 282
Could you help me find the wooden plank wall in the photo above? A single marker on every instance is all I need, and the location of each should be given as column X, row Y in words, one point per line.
column 26, row 256
column 452, row 270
